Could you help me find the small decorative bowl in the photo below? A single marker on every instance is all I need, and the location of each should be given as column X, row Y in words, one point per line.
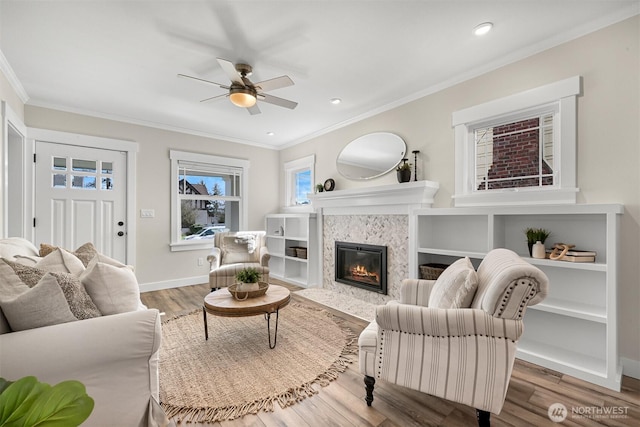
column 243, row 295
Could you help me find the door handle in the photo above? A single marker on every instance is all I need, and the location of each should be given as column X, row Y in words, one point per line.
column 120, row 233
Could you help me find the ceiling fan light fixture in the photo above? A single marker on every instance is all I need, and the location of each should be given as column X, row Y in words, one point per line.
column 242, row 97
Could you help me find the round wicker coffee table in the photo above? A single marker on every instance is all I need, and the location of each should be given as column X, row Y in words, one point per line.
column 222, row 303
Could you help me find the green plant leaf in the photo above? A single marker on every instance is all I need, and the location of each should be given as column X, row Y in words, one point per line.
column 16, row 400
column 64, row 405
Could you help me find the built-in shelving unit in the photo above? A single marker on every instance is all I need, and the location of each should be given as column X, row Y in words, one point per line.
column 286, row 232
column 574, row 330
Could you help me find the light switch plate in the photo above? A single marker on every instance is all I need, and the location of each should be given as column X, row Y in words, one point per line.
column 147, row 213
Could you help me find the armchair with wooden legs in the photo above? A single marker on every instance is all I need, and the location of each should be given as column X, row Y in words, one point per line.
column 464, row 355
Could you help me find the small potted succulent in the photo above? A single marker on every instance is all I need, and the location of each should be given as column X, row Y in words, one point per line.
column 536, row 235
column 248, row 279
column 404, row 171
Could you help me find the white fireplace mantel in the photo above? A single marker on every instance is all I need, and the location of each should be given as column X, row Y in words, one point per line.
column 384, row 199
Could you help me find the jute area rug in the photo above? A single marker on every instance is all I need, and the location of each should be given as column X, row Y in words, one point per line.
column 235, row 373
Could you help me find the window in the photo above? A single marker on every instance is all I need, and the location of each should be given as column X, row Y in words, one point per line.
column 207, row 196
column 520, row 149
column 515, row 153
column 299, row 178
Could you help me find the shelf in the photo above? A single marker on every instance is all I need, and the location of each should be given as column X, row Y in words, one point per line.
column 288, row 231
column 561, row 359
column 452, row 253
column 574, row 330
column 580, row 311
column 293, row 258
column 590, row 266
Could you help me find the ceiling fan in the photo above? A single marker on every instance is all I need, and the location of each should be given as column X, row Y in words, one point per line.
column 243, row 92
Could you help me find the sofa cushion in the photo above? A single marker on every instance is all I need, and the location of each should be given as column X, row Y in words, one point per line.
column 78, row 299
column 62, row 261
column 42, row 305
column 13, row 246
column 455, row 287
column 85, row 253
column 112, row 288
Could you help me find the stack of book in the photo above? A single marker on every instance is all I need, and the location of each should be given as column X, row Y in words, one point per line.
column 575, row 255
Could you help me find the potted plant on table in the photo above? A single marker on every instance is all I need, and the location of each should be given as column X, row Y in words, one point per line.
column 536, row 235
column 248, row 279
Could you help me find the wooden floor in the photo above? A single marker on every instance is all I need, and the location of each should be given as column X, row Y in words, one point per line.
column 531, row 391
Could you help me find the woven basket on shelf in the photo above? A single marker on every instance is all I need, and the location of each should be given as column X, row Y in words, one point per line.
column 431, row 271
column 301, row 253
column 291, row 251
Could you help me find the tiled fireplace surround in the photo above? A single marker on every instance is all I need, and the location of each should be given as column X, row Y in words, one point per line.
column 375, row 216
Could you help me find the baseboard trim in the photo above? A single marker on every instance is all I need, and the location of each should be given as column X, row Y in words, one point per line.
column 630, row 368
column 177, row 283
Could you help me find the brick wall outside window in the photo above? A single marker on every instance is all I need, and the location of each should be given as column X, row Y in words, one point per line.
column 516, row 153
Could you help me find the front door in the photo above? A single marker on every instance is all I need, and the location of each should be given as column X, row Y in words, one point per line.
column 80, row 196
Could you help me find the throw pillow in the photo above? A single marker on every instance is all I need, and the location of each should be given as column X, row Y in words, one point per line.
column 61, row 260
column 234, row 250
column 113, row 289
column 455, row 287
column 77, row 297
column 42, row 305
column 85, row 253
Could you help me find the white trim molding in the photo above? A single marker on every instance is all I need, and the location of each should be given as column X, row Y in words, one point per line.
column 563, row 94
column 385, row 199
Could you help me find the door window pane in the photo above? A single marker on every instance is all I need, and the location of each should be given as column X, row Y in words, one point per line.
column 59, row 181
column 85, row 182
column 79, row 165
column 107, row 168
column 59, row 164
column 107, row 184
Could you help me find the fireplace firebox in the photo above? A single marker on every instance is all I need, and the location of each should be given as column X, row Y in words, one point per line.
column 363, row 266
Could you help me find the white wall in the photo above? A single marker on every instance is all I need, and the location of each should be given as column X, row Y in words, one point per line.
column 155, row 264
column 608, row 137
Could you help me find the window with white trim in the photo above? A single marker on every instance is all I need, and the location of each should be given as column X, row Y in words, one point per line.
column 519, row 149
column 208, row 194
column 299, row 178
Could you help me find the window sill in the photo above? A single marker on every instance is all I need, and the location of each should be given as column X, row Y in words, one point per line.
column 298, row 209
column 196, row 245
column 517, row 196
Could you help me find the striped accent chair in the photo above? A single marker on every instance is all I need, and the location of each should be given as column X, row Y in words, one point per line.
column 465, row 355
column 234, row 251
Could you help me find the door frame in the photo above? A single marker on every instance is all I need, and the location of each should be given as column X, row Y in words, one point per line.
column 129, row 147
column 11, row 120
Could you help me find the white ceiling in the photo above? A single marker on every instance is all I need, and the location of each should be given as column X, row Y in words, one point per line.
column 120, row 59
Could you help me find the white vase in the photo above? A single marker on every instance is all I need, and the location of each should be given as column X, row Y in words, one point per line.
column 538, row 250
column 247, row 287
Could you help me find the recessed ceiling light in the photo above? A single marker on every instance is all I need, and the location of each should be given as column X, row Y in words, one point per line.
column 483, row 29
column 271, row 133
column 335, row 101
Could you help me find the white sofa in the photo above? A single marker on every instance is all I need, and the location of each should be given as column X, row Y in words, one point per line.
column 114, row 356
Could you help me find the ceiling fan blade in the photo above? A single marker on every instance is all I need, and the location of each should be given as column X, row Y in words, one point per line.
column 230, row 70
column 254, row 110
column 272, row 84
column 280, row 102
column 224, row 95
column 184, row 76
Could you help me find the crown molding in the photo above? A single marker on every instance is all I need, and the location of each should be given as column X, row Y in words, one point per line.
column 8, row 72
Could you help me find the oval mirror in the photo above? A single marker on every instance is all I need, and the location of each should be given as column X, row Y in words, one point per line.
column 371, row 155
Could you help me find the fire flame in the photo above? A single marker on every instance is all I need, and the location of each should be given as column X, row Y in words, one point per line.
column 362, row 272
